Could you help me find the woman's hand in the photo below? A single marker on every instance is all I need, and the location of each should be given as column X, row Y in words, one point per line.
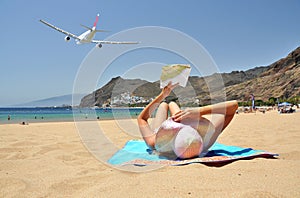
column 187, row 114
column 168, row 89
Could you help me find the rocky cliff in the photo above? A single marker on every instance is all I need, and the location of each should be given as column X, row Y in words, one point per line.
column 280, row 80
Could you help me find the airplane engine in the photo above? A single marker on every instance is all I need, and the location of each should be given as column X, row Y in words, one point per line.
column 67, row 38
column 99, row 45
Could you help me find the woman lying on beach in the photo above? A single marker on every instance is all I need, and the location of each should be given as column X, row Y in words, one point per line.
column 187, row 133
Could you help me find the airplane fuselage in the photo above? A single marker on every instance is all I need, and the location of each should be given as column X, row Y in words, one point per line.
column 87, row 36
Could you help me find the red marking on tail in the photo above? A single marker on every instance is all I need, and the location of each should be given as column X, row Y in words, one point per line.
column 97, row 18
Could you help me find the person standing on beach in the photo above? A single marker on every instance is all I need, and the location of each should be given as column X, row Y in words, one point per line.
column 187, row 133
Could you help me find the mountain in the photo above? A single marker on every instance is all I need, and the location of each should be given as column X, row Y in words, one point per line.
column 114, row 87
column 279, row 80
column 54, row 101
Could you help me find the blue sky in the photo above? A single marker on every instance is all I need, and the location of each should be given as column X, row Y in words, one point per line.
column 36, row 63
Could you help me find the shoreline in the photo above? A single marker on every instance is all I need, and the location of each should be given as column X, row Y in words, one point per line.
column 62, row 121
column 33, row 115
column 99, row 118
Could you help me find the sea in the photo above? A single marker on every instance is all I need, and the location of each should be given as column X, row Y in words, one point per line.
column 64, row 114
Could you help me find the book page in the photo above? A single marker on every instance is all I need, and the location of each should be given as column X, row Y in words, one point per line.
column 177, row 73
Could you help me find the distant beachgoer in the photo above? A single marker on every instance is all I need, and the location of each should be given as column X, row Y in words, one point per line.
column 24, row 123
column 8, row 117
column 187, row 133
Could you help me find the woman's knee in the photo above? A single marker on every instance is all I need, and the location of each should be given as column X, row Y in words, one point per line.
column 163, row 105
column 162, row 109
column 174, row 108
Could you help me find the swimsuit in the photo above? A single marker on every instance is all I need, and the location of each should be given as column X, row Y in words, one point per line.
column 168, row 131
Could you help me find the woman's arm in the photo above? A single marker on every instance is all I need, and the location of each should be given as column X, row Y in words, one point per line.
column 147, row 133
column 227, row 108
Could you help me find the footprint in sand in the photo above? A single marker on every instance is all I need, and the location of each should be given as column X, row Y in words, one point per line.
column 293, row 155
column 12, row 153
column 12, row 187
column 46, row 149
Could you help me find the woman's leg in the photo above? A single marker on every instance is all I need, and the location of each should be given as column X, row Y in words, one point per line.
column 160, row 116
column 219, row 122
column 174, row 108
column 213, row 130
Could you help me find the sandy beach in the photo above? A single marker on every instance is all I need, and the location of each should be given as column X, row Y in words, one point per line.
column 49, row 160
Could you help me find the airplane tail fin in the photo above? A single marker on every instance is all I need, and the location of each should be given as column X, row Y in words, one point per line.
column 95, row 23
column 97, row 18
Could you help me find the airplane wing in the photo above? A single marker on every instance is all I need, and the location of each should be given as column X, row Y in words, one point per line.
column 114, row 42
column 60, row 30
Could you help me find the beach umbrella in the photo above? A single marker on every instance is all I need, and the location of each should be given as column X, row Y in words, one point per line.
column 284, row 104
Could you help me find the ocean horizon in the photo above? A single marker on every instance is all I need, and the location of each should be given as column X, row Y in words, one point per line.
column 10, row 115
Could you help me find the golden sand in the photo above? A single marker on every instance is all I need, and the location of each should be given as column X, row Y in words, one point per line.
column 49, row 160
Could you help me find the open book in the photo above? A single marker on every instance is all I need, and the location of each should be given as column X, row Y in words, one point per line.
column 176, row 73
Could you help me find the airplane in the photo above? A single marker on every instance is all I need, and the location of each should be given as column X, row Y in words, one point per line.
column 87, row 37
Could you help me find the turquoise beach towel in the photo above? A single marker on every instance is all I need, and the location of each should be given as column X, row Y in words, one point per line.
column 136, row 152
